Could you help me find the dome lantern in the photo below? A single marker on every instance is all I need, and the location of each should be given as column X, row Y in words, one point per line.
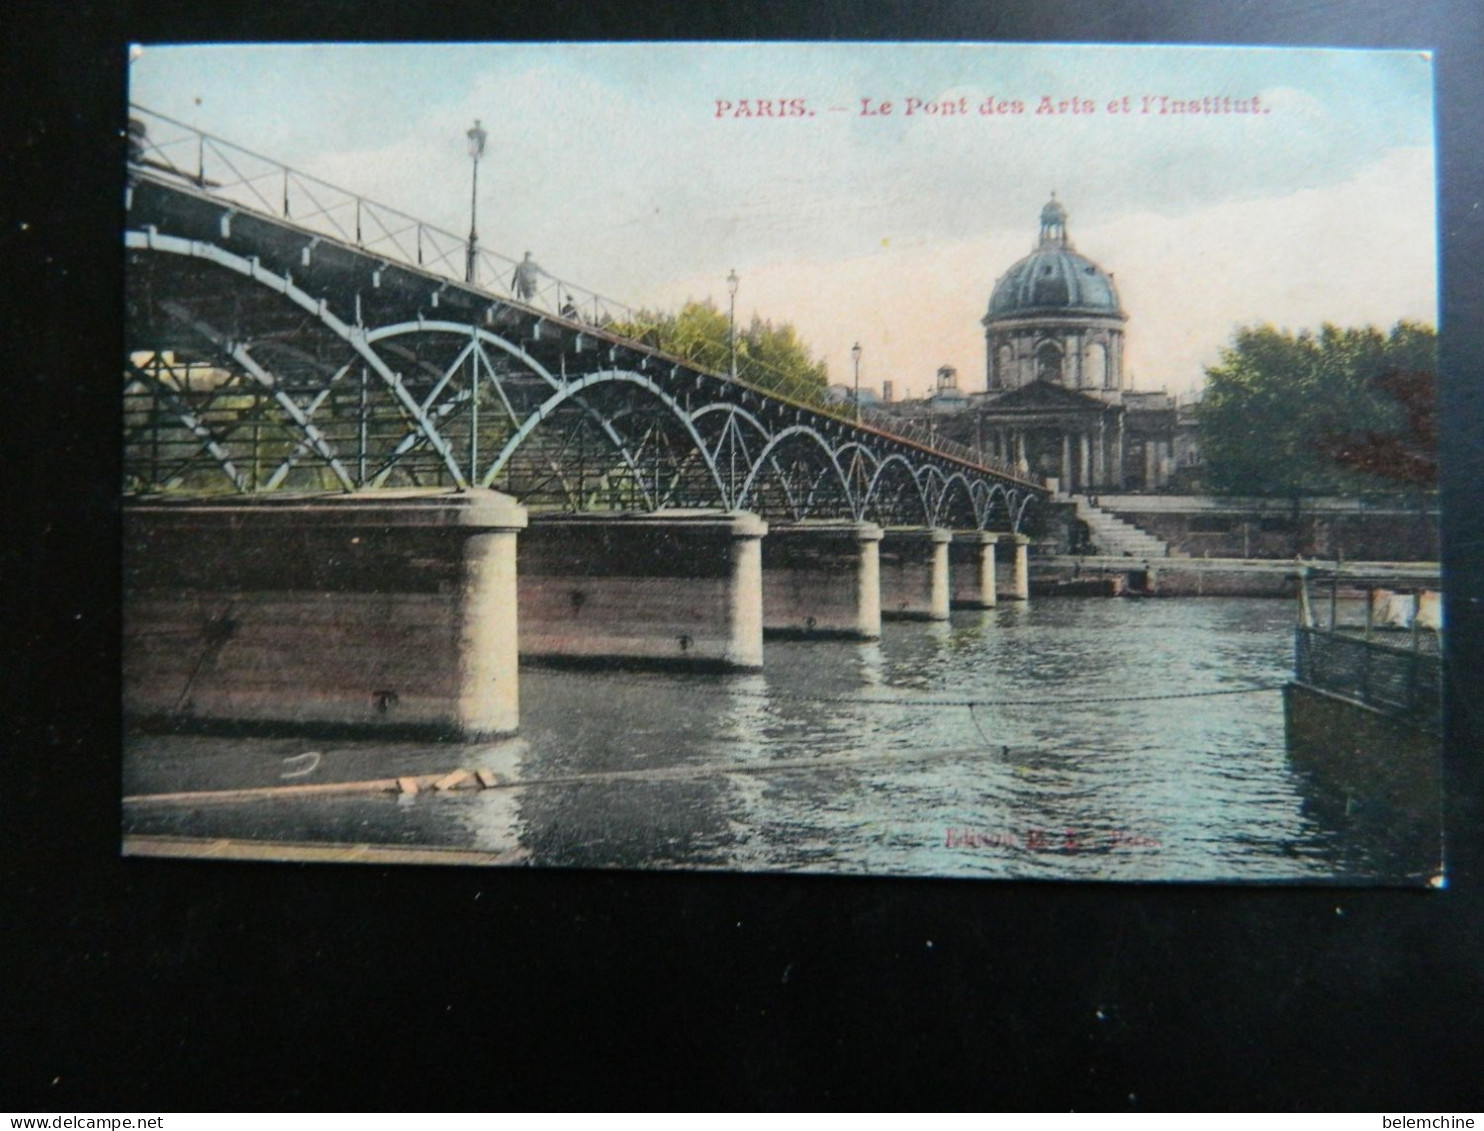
column 1054, row 277
column 1054, row 224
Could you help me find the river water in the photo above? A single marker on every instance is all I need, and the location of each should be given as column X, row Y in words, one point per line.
column 1062, row 738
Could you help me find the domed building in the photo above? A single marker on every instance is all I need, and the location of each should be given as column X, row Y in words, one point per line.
column 1055, row 317
column 1055, row 400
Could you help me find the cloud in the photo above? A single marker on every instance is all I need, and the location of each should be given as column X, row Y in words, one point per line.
column 611, row 165
column 1360, row 251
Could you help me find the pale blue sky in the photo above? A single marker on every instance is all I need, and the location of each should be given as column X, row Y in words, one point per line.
column 610, row 164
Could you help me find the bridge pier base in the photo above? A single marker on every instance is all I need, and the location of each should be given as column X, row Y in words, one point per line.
column 914, row 573
column 378, row 613
column 971, row 569
column 822, row 579
column 672, row 589
column 1020, row 571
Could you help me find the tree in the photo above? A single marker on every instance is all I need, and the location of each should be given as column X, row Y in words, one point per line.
column 768, row 355
column 1406, row 457
column 1344, row 411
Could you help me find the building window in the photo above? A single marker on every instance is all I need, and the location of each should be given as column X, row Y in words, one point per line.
column 1048, row 363
column 1095, row 368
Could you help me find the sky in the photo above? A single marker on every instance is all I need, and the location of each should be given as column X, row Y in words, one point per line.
column 647, row 172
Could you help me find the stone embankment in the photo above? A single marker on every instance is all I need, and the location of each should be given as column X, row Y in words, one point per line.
column 1208, row 577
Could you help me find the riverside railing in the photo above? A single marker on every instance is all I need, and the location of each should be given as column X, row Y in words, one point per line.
column 261, row 184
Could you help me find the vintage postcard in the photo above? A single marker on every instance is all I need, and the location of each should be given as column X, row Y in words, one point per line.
column 914, row 459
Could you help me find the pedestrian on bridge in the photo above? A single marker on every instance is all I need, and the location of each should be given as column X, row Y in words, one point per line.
column 524, row 280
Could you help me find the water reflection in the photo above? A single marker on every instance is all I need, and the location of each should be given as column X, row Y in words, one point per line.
column 1070, row 738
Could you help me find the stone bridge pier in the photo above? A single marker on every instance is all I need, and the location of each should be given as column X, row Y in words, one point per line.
column 1020, row 573
column 670, row 589
column 914, row 573
column 822, row 579
column 392, row 611
column 971, row 569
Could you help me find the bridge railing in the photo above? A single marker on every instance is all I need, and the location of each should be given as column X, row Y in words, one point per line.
column 261, row 184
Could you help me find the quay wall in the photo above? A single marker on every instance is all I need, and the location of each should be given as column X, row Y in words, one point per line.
column 1208, row 526
column 1171, row 577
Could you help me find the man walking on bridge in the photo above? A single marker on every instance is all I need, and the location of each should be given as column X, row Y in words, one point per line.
column 524, row 280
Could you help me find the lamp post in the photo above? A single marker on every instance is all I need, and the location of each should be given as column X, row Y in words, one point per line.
column 855, row 356
column 732, row 282
column 477, row 138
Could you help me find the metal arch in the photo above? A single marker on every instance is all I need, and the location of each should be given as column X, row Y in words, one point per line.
column 355, row 337
column 981, row 493
column 478, row 337
column 465, row 330
column 881, row 470
column 773, row 444
column 281, row 472
column 933, row 481
column 735, row 412
column 571, row 389
column 475, row 349
column 239, row 353
column 947, row 493
column 194, row 425
column 1025, row 502
column 411, row 440
column 629, row 446
column 734, row 409
column 860, row 455
column 1005, row 494
column 859, row 447
column 623, row 443
column 605, row 425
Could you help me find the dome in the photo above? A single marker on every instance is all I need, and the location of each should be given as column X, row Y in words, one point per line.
column 1054, row 279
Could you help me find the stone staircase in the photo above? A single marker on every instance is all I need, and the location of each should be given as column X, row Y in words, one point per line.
column 1115, row 537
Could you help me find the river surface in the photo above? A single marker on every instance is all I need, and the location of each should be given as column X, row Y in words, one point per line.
column 1062, row 738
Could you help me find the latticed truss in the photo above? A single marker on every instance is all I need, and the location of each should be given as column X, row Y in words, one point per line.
column 262, row 359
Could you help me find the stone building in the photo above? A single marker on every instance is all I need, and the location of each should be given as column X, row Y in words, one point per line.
column 1054, row 318
column 1056, row 400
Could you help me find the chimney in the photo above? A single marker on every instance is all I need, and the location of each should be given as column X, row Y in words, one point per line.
column 886, row 392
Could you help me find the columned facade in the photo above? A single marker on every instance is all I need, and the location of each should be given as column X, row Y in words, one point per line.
column 1055, row 386
column 1048, row 430
column 1057, row 401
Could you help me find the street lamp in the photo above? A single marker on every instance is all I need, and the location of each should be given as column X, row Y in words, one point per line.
column 855, row 356
column 477, row 139
column 732, row 282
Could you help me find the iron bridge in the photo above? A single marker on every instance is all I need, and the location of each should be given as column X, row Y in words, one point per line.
column 285, row 335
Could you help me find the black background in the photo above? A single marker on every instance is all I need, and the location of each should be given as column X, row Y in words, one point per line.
column 156, row 985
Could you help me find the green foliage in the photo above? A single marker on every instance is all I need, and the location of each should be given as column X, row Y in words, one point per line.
column 770, row 356
column 1343, row 411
